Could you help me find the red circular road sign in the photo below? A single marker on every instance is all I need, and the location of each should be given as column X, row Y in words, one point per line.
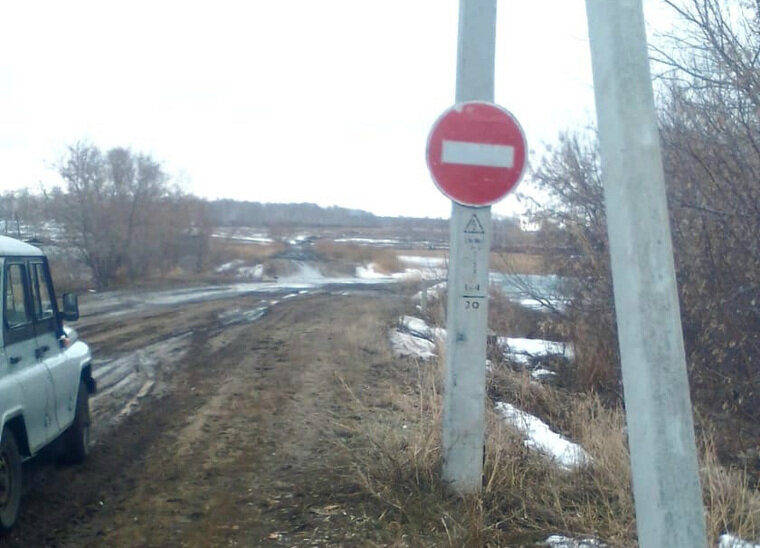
column 476, row 153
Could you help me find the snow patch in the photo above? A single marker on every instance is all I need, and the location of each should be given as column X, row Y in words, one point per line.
column 242, row 234
column 298, row 239
column 418, row 328
column 539, row 436
column 559, row 541
column 407, row 345
column 542, row 306
column 428, row 262
column 252, row 272
column 419, row 275
column 238, row 267
column 307, row 273
column 415, row 338
column 409, row 274
column 248, row 239
column 369, row 273
column 730, row 541
column 226, row 267
column 432, row 292
column 368, row 241
column 526, row 351
column 542, row 374
column 415, row 326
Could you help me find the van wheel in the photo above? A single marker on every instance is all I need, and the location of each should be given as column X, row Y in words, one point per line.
column 77, row 436
column 10, row 480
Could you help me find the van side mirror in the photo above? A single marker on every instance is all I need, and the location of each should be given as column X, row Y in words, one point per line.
column 70, row 307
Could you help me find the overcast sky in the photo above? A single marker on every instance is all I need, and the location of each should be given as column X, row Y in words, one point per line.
column 315, row 101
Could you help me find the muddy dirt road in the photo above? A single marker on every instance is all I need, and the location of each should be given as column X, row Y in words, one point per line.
column 215, row 425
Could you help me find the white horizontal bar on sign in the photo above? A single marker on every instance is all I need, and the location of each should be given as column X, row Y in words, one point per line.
column 477, row 154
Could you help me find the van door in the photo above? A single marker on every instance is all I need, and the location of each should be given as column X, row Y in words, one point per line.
column 65, row 375
column 20, row 351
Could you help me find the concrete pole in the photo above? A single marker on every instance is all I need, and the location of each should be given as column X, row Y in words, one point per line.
column 470, row 243
column 664, row 464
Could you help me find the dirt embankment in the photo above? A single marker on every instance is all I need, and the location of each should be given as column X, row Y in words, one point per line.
column 233, row 443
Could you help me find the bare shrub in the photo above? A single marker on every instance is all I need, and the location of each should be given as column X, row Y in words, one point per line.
column 709, row 128
column 574, row 221
column 710, row 133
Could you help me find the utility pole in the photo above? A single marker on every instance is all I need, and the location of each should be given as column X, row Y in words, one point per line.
column 664, row 464
column 465, row 376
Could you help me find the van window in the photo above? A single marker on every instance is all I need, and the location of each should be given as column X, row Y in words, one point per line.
column 16, row 313
column 41, row 299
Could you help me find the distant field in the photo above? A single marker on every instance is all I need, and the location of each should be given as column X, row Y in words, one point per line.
column 232, row 252
column 519, row 263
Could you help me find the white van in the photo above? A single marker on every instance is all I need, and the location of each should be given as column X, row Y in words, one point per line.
column 45, row 371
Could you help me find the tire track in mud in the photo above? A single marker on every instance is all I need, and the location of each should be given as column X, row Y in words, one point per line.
column 237, row 446
column 149, row 360
column 233, row 419
column 256, row 460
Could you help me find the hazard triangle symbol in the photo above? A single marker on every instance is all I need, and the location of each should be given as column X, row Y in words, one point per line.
column 474, row 226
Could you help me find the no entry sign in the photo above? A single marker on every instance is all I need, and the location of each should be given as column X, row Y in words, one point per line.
column 476, row 153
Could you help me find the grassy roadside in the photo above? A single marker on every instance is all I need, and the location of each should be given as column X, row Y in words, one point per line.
column 395, row 460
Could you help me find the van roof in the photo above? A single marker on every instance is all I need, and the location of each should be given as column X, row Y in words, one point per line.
column 13, row 247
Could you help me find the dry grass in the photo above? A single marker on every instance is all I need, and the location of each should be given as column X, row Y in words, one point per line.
column 525, row 496
column 519, row 263
column 396, row 458
column 732, row 500
column 225, row 251
column 385, row 260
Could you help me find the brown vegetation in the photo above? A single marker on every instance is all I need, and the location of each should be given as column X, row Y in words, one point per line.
column 349, row 255
column 710, row 134
column 396, row 459
column 124, row 218
column 223, row 251
column 519, row 263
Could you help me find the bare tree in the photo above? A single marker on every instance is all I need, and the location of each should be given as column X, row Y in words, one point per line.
column 573, row 235
column 709, row 111
column 112, row 200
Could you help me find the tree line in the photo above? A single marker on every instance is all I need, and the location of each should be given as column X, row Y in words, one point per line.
column 127, row 220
